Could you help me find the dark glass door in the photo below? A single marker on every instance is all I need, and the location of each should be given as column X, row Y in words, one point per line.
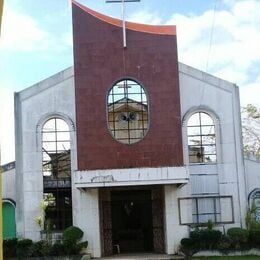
column 132, row 226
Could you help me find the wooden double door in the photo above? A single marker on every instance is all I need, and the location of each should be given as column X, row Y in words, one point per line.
column 132, row 220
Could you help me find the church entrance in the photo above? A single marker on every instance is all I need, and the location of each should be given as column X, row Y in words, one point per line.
column 132, row 227
column 132, row 219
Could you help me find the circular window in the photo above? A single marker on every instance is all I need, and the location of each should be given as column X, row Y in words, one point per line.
column 127, row 111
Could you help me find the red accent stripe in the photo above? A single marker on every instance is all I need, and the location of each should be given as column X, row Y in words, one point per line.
column 156, row 29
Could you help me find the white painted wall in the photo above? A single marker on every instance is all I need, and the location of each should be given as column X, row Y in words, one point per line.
column 203, row 92
column 55, row 96
column 8, row 185
column 252, row 168
column 174, row 232
column 33, row 106
column 87, row 218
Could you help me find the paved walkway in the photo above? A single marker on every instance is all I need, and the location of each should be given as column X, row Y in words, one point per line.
column 142, row 257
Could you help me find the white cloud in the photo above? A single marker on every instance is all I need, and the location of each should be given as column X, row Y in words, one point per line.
column 20, row 32
column 235, row 42
column 145, row 16
column 23, row 33
column 235, row 45
column 7, row 125
column 250, row 93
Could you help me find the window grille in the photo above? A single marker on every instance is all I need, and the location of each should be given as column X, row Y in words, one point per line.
column 199, row 210
column 56, row 167
column 201, row 138
column 127, row 111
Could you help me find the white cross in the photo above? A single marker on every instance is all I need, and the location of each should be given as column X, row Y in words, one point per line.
column 123, row 15
column 125, row 87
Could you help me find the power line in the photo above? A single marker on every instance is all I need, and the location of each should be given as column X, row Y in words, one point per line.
column 211, row 34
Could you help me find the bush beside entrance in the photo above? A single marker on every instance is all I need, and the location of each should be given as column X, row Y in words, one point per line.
column 209, row 239
column 70, row 244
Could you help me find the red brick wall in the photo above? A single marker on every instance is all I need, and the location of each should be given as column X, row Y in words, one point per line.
column 98, row 59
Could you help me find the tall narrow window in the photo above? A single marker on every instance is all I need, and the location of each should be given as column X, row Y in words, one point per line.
column 201, row 138
column 127, row 111
column 57, row 173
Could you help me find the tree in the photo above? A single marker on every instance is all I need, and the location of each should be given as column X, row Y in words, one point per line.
column 251, row 129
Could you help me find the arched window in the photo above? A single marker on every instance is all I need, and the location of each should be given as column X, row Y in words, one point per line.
column 127, row 108
column 56, row 162
column 201, row 138
column 255, row 203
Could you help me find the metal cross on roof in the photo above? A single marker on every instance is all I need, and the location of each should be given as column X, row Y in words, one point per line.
column 123, row 15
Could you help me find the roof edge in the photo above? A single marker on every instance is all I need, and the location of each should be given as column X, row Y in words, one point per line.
column 46, row 83
column 206, row 77
column 154, row 29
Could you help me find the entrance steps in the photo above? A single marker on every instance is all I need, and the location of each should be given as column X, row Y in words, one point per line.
column 142, row 257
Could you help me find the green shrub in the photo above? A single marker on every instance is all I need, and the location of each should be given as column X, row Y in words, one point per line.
column 239, row 237
column 210, row 225
column 81, row 245
column 9, row 246
column 46, row 249
column 224, row 244
column 255, row 226
column 72, row 234
column 23, row 248
column 71, row 237
column 41, row 248
column 196, row 234
column 36, row 248
column 212, row 238
column 254, row 238
column 206, row 238
column 189, row 247
column 58, row 249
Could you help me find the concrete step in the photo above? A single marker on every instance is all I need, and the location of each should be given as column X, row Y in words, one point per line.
column 142, row 257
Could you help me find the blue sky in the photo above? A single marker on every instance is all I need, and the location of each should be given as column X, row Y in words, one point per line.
column 54, row 17
column 37, row 42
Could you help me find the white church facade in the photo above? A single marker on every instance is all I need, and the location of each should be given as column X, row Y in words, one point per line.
column 130, row 145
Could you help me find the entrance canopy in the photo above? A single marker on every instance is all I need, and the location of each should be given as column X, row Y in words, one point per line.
column 131, row 177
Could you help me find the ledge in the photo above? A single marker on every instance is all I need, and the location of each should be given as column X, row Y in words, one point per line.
column 131, row 177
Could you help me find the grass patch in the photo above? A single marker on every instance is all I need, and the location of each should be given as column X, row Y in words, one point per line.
column 228, row 257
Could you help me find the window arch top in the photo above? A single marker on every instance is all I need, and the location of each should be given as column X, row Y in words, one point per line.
column 55, row 124
column 200, row 118
column 201, row 138
column 56, row 148
column 127, row 107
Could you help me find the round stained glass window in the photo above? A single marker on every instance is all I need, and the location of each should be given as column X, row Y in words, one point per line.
column 127, row 111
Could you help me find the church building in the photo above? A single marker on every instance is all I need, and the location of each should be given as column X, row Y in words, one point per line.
column 129, row 144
